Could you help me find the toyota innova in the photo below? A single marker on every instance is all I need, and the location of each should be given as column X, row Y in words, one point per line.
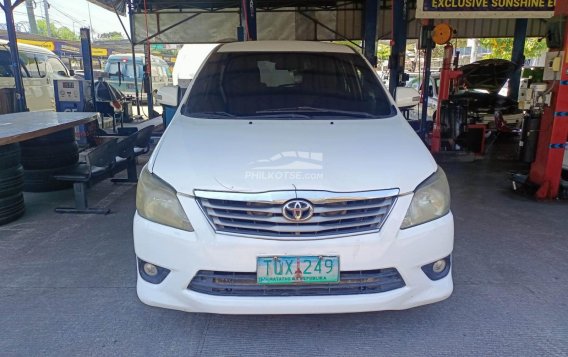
column 289, row 183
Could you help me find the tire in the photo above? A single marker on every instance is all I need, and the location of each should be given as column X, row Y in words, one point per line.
column 47, row 157
column 11, row 208
column 11, row 181
column 43, row 181
column 63, row 136
column 9, row 156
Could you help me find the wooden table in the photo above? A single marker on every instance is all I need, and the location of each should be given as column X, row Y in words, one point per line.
column 18, row 127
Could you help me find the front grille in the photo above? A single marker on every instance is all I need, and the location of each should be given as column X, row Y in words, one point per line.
column 244, row 284
column 331, row 216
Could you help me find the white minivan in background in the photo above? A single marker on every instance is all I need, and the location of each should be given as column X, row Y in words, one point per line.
column 289, row 183
column 120, row 71
column 39, row 67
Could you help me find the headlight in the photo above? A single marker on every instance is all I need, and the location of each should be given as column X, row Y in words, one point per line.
column 157, row 201
column 431, row 200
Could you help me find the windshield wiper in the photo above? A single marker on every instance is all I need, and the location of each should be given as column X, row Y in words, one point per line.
column 214, row 114
column 311, row 110
column 283, row 115
column 280, row 115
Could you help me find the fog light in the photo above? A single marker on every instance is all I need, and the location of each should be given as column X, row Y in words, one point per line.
column 152, row 273
column 150, row 269
column 439, row 266
column 438, row 269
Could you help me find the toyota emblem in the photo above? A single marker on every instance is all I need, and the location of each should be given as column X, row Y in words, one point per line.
column 297, row 210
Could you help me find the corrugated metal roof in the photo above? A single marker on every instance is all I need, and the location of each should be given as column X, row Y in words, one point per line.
column 321, row 20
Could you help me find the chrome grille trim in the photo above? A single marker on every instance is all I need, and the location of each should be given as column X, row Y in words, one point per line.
column 260, row 214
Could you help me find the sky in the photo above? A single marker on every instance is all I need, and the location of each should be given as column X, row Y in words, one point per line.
column 73, row 14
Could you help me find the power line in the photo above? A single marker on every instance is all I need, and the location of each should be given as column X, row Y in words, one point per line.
column 66, row 15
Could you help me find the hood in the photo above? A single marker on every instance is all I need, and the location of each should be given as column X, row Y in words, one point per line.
column 267, row 155
column 489, row 74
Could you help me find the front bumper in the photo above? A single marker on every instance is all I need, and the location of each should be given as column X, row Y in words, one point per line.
column 185, row 253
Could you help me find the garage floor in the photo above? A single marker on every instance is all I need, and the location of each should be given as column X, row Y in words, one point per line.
column 69, row 287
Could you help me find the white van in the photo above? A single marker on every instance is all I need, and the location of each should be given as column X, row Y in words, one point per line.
column 289, row 183
column 120, row 73
column 188, row 60
column 39, row 67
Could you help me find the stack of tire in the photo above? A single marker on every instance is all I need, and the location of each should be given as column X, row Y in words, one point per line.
column 46, row 156
column 11, row 184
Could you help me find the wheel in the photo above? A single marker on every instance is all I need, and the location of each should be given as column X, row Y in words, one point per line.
column 43, row 181
column 9, row 156
column 63, row 136
column 11, row 208
column 49, row 156
column 11, row 181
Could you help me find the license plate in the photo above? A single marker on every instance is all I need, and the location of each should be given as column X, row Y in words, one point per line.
column 297, row 270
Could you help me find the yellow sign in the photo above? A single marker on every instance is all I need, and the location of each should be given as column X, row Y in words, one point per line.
column 99, row 52
column 449, row 9
column 45, row 44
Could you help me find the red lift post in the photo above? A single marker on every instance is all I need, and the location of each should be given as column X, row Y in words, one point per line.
column 546, row 170
column 442, row 34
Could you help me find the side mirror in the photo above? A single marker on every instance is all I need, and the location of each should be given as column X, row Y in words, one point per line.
column 71, row 73
column 407, row 97
column 168, row 95
column 430, row 91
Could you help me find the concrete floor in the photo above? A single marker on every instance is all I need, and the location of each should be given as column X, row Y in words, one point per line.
column 69, row 287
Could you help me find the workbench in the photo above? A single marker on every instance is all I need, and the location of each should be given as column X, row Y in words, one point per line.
column 18, row 127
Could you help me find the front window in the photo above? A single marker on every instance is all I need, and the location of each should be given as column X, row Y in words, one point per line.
column 287, row 85
column 57, row 66
column 123, row 69
column 33, row 64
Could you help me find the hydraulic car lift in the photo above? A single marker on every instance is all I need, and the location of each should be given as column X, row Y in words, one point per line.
column 442, row 34
column 546, row 170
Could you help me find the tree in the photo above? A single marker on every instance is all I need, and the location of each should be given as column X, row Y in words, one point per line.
column 113, row 36
column 383, row 52
column 503, row 47
column 438, row 51
column 62, row 33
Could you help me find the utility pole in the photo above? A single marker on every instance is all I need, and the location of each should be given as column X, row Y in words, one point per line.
column 31, row 16
column 46, row 9
column 91, row 29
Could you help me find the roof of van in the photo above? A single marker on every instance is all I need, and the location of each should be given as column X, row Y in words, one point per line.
column 26, row 47
column 138, row 56
column 126, row 54
column 284, row 46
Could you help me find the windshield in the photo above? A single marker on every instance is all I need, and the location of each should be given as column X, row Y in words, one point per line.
column 287, row 85
column 126, row 69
